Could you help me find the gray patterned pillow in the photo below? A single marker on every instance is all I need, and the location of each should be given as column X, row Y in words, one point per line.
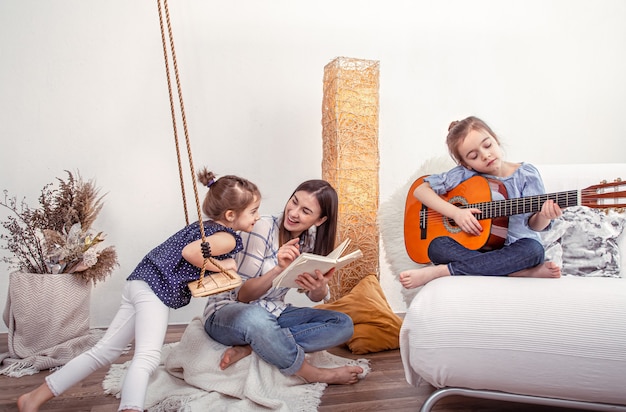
column 584, row 242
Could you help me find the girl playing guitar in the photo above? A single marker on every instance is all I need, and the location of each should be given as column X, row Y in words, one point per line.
column 476, row 149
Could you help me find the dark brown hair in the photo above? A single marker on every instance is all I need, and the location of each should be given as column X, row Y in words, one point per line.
column 226, row 193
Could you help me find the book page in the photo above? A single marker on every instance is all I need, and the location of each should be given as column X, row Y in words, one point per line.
column 334, row 255
column 309, row 263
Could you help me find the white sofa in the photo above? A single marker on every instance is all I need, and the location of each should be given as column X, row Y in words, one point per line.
column 559, row 342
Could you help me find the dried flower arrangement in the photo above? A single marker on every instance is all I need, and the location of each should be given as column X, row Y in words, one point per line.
column 57, row 237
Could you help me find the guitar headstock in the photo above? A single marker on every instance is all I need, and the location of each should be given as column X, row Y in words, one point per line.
column 605, row 195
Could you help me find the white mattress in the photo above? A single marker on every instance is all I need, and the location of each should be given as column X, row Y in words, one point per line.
column 560, row 338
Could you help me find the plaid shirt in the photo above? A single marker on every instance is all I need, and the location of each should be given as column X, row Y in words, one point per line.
column 259, row 256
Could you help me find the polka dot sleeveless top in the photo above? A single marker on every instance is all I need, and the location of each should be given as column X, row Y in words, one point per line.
column 168, row 273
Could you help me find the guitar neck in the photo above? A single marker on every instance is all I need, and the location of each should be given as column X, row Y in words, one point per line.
column 530, row 204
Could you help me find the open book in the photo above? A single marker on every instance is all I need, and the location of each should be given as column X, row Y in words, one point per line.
column 309, row 262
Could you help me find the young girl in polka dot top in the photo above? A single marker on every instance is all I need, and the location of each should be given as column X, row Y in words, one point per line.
column 157, row 284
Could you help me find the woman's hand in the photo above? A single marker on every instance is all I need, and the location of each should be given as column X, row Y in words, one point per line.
column 316, row 286
column 255, row 287
column 467, row 222
column 288, row 253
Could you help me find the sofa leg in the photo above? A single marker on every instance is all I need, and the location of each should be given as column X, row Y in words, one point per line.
column 513, row 397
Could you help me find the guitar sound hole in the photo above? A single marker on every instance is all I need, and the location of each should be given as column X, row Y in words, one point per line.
column 450, row 224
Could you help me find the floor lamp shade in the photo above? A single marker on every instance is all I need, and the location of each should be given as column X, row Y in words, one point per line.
column 351, row 160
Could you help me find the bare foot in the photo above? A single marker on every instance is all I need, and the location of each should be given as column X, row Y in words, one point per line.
column 23, row 403
column 418, row 277
column 32, row 401
column 343, row 375
column 234, row 354
column 545, row 270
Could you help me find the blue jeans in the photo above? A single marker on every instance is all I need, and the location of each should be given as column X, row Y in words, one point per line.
column 280, row 341
column 522, row 254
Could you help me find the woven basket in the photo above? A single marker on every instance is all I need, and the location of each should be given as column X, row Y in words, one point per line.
column 48, row 321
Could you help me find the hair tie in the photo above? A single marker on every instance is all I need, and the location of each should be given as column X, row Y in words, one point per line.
column 210, row 182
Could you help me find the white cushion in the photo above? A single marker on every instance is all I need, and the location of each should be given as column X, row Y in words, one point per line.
column 562, row 338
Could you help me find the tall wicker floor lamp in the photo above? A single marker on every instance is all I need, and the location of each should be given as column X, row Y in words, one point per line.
column 351, row 160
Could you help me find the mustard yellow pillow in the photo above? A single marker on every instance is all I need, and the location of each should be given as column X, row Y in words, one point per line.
column 376, row 327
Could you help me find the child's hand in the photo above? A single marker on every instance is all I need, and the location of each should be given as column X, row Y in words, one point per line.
column 465, row 219
column 550, row 210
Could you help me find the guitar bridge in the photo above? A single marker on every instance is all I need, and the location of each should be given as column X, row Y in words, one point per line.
column 423, row 221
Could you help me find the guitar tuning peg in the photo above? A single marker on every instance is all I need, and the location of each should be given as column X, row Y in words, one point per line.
column 618, row 180
column 603, row 182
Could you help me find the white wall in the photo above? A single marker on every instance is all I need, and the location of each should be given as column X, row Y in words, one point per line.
column 82, row 87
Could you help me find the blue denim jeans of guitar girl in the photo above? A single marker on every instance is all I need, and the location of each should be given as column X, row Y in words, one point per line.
column 280, row 341
column 522, row 254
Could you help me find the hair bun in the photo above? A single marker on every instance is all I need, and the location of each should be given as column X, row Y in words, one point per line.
column 454, row 123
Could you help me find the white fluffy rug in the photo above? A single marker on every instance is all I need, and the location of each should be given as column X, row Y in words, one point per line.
column 391, row 222
column 190, row 379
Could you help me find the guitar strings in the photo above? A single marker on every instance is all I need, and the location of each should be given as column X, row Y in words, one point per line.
column 590, row 195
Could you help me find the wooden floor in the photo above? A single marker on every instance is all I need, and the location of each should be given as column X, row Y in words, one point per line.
column 384, row 389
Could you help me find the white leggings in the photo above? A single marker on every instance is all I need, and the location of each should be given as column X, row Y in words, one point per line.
column 141, row 316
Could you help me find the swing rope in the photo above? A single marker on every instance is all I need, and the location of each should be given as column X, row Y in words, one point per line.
column 173, row 110
column 187, row 141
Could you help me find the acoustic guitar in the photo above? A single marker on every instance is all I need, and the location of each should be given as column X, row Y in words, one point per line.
column 422, row 225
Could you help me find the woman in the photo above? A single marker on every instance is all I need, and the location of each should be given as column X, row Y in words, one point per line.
column 256, row 316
